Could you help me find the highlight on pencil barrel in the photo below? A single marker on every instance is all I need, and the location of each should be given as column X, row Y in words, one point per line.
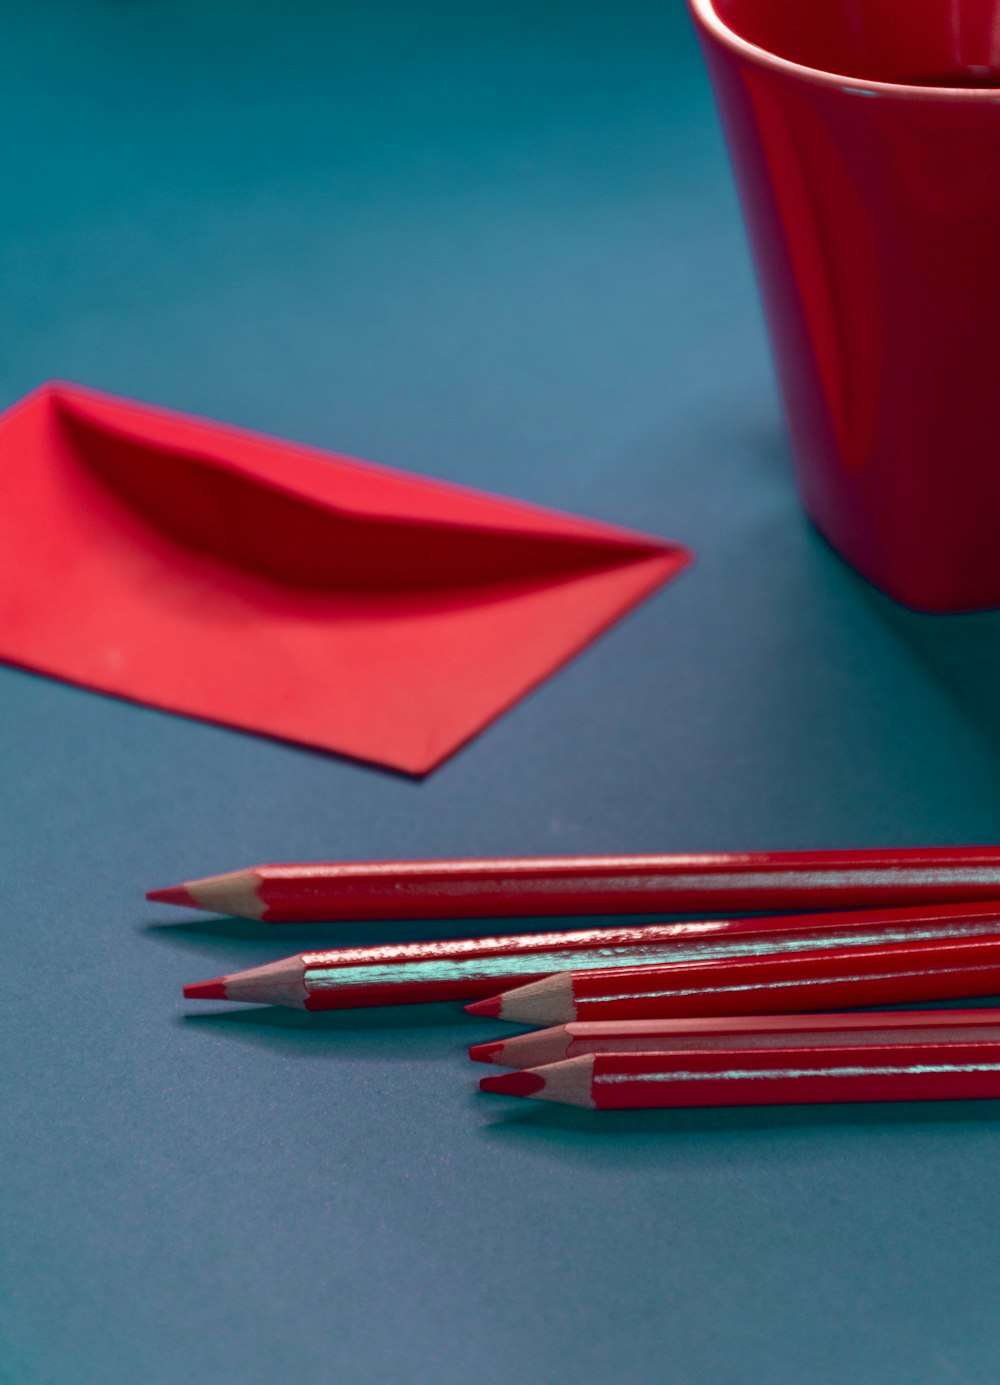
column 740, row 1077
column 895, row 973
column 463, row 969
column 879, row 1027
column 460, row 968
column 738, row 882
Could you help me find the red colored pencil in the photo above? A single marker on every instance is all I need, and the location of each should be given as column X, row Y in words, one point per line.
column 740, row 882
column 461, row 969
column 728, row 1077
column 830, row 979
column 886, row 1027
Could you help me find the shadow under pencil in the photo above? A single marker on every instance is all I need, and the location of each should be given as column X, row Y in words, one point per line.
column 302, row 937
column 223, row 928
column 273, row 1019
column 543, row 1120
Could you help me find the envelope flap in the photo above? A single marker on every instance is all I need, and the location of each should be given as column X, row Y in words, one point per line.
column 347, row 485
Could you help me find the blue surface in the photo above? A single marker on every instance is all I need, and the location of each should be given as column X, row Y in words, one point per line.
column 497, row 243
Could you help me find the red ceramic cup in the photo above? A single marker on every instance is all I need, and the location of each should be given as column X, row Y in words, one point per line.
column 865, row 138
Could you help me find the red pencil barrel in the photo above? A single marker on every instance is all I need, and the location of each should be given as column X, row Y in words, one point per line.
column 842, row 978
column 416, row 993
column 732, row 881
column 926, row 1072
column 474, row 968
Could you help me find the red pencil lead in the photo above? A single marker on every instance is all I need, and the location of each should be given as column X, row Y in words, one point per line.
column 175, row 894
column 490, row 1007
column 206, row 990
column 480, row 1053
column 513, row 1083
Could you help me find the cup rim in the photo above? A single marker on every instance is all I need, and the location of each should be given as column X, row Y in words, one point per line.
column 705, row 12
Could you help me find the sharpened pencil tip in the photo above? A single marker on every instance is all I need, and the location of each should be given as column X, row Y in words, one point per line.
column 513, row 1083
column 490, row 1008
column 175, row 894
column 483, row 1053
column 207, row 990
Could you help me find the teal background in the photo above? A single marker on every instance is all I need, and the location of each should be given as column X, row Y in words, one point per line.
column 496, row 243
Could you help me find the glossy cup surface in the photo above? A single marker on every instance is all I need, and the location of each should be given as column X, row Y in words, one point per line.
column 867, row 153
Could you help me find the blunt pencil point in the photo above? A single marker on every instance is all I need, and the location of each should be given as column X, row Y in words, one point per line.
column 490, row 1007
column 482, row 1053
column 174, row 894
column 206, row 990
column 513, row 1083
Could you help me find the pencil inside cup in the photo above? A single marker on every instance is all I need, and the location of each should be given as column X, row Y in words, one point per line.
column 927, row 1071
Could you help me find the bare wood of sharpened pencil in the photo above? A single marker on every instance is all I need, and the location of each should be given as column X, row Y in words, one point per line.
column 687, row 883
column 235, row 893
column 740, row 1077
column 575, row 1040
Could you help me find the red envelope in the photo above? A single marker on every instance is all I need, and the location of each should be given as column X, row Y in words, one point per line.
column 268, row 586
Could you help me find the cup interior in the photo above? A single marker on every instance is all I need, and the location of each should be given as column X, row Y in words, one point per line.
column 953, row 43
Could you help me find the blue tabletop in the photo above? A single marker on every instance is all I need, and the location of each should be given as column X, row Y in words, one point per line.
column 496, row 243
